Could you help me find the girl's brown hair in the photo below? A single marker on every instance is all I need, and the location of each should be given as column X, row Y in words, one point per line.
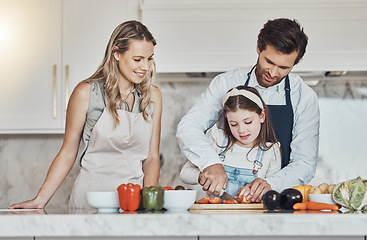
column 108, row 70
column 266, row 134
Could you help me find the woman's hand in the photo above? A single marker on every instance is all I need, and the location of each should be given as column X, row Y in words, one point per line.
column 255, row 190
column 35, row 203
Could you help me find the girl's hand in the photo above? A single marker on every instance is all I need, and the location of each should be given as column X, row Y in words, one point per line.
column 255, row 190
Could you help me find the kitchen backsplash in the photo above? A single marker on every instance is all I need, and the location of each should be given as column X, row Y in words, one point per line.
column 25, row 159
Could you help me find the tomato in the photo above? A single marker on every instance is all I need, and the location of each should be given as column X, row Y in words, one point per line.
column 215, row 200
column 204, row 200
column 242, row 199
column 168, row 188
column 230, row 201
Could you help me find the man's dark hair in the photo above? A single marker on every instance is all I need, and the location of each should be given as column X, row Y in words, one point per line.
column 285, row 35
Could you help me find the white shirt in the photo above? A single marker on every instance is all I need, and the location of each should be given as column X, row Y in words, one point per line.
column 305, row 134
column 237, row 157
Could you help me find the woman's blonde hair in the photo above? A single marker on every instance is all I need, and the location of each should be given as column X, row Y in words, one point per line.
column 108, row 70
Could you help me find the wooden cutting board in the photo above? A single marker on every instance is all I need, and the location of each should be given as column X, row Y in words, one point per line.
column 221, row 206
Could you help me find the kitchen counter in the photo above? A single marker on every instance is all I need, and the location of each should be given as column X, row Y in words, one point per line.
column 256, row 223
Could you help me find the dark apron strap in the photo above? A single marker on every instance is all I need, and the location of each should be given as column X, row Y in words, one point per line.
column 282, row 119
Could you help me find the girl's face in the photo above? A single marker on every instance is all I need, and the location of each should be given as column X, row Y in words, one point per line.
column 136, row 61
column 245, row 126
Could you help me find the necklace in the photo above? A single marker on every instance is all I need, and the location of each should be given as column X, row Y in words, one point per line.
column 124, row 101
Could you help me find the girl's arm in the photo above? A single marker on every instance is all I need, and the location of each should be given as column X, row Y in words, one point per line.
column 64, row 160
column 151, row 165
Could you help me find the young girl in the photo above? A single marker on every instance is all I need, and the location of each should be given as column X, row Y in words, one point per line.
column 244, row 139
column 117, row 114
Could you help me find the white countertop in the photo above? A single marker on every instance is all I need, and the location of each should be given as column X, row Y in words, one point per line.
column 206, row 223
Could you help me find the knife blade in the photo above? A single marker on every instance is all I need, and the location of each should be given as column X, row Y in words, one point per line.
column 226, row 196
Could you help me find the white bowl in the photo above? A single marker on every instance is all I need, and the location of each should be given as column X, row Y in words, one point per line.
column 323, row 198
column 179, row 200
column 104, row 201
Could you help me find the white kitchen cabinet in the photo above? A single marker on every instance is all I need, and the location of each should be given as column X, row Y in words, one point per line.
column 87, row 27
column 46, row 48
column 220, row 35
column 30, row 60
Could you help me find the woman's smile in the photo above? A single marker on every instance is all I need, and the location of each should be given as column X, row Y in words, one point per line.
column 140, row 74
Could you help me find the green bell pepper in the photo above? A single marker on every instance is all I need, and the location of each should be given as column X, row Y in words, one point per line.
column 153, row 198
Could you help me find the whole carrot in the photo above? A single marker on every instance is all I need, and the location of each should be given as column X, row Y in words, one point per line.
column 321, row 206
column 300, row 206
column 315, row 206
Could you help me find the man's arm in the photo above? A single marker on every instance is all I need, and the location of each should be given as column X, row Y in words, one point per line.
column 195, row 144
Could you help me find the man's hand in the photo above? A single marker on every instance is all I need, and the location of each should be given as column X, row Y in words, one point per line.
column 213, row 179
column 254, row 191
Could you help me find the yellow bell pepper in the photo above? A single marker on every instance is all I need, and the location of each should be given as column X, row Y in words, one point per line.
column 304, row 189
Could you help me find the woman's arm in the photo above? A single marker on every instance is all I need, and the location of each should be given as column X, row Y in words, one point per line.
column 64, row 160
column 151, row 165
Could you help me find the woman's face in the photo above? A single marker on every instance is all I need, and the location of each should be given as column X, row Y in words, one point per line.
column 272, row 66
column 136, row 61
column 245, row 126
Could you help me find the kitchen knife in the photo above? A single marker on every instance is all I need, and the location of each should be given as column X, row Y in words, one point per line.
column 225, row 196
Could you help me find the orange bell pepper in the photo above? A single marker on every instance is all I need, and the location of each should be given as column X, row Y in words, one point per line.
column 129, row 196
column 304, row 189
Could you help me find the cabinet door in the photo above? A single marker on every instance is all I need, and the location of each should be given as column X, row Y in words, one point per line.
column 221, row 35
column 87, row 27
column 30, row 60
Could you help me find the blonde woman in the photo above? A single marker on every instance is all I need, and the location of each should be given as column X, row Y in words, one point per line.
column 117, row 114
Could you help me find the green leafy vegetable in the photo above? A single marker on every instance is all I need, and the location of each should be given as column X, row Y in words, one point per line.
column 352, row 194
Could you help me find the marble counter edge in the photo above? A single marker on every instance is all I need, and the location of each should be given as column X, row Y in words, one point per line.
column 183, row 225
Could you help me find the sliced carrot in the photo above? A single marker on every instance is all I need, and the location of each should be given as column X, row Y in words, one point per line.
column 204, row 200
column 215, row 200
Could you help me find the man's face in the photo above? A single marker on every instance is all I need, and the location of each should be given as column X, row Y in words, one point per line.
column 273, row 66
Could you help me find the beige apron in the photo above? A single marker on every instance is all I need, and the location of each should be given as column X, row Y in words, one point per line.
column 114, row 156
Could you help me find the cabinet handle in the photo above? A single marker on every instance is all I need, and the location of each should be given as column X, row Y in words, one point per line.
column 54, row 93
column 66, row 86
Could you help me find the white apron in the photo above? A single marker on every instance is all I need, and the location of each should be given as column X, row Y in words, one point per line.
column 114, row 156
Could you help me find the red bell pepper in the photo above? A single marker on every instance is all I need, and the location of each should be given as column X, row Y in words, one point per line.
column 129, row 196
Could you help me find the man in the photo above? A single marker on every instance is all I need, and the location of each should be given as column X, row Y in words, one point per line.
column 293, row 108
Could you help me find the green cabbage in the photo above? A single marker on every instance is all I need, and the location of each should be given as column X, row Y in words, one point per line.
column 352, row 194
